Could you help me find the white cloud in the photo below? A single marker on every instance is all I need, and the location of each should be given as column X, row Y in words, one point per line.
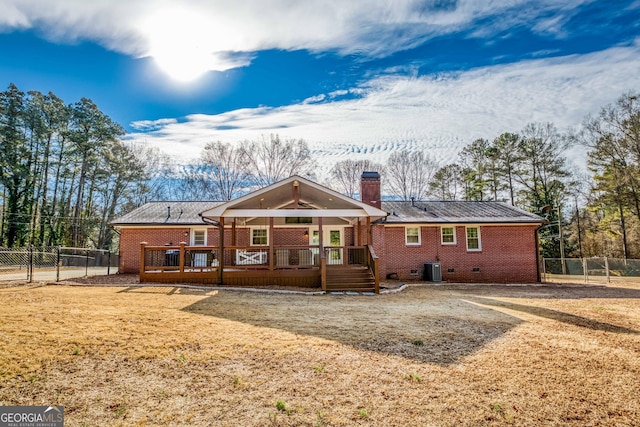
column 216, row 28
column 439, row 115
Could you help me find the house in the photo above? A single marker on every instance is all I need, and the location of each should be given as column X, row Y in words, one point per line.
column 299, row 233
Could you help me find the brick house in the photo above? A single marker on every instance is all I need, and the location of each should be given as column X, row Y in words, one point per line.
column 299, row 233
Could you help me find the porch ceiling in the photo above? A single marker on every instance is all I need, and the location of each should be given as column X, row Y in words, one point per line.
column 294, row 197
column 284, row 213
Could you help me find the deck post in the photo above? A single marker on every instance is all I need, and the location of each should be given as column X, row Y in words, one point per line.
column 221, row 260
column 320, row 238
column 271, row 253
column 182, row 245
column 323, row 272
column 142, row 266
column 376, row 274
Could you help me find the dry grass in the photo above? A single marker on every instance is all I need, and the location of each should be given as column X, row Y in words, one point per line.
column 429, row 356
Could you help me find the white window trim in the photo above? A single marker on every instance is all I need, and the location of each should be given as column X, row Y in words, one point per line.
column 193, row 236
column 251, row 235
column 454, row 236
column 406, row 242
column 466, row 238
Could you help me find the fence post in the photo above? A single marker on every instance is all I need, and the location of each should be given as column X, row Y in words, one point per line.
column 109, row 262
column 58, row 264
column 584, row 270
column 606, row 268
column 30, row 266
column 544, row 271
column 86, row 262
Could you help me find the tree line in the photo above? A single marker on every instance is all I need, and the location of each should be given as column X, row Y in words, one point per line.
column 65, row 172
column 598, row 209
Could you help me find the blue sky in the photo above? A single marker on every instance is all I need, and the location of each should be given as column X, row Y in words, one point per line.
column 356, row 79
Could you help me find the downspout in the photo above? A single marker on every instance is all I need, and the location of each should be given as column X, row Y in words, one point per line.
column 536, row 238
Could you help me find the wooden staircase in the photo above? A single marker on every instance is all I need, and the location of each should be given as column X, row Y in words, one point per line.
column 350, row 279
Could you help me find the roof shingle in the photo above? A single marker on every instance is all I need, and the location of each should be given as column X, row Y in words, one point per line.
column 457, row 212
column 182, row 213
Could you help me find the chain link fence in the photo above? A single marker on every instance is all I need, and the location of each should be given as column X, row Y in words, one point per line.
column 55, row 263
column 598, row 270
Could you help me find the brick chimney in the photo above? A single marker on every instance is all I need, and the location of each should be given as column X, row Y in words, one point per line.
column 370, row 189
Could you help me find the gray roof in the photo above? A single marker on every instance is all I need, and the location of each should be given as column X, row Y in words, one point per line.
column 187, row 213
column 457, row 212
column 178, row 213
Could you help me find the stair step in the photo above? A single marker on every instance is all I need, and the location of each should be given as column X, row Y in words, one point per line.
column 358, row 290
column 349, row 279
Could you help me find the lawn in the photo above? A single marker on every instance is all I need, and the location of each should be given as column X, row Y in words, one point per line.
column 429, row 356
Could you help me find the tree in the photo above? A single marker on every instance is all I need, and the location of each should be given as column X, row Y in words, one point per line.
column 505, row 150
column 346, row 175
column 446, row 182
column 273, row 159
column 226, row 169
column 541, row 168
column 409, row 174
column 63, row 171
column 15, row 165
column 476, row 170
column 91, row 131
column 613, row 138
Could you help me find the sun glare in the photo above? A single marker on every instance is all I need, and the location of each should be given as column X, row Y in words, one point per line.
column 178, row 44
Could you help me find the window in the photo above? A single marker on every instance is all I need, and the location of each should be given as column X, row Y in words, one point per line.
column 473, row 239
column 412, row 235
column 199, row 237
column 259, row 237
column 448, row 235
column 298, row 220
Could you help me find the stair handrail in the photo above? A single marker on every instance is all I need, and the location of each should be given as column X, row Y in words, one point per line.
column 373, row 267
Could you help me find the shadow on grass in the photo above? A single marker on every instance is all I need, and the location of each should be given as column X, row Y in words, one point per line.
column 570, row 319
column 164, row 290
column 440, row 331
column 546, row 291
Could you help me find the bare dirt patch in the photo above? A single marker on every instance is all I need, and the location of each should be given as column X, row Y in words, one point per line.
column 435, row 356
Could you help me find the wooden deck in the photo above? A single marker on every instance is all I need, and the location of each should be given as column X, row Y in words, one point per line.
column 295, row 266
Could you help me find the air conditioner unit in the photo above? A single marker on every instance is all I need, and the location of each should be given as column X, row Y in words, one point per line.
column 432, row 272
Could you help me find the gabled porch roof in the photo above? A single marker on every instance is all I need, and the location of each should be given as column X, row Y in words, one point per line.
column 294, row 197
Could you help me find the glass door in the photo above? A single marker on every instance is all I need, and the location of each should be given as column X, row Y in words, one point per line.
column 333, row 240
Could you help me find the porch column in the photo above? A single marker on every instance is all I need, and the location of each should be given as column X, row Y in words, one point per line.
column 358, row 234
column 233, row 241
column 368, row 230
column 320, row 241
column 221, row 263
column 271, row 253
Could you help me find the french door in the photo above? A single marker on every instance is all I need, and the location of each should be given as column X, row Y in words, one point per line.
column 333, row 242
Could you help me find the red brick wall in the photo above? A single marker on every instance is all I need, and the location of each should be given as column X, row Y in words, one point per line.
column 130, row 239
column 508, row 254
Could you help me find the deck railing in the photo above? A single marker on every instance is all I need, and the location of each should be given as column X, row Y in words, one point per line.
column 372, row 263
column 346, row 255
column 210, row 264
